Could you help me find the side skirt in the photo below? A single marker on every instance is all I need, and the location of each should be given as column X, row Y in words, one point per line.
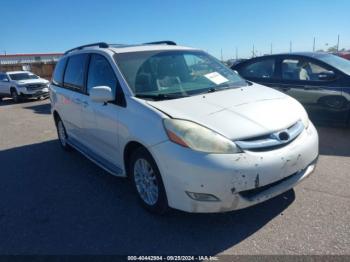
column 101, row 162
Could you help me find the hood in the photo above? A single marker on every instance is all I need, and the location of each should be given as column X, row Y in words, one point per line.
column 32, row 81
column 237, row 113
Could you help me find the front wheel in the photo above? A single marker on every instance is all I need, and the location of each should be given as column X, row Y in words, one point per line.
column 15, row 96
column 147, row 181
column 62, row 135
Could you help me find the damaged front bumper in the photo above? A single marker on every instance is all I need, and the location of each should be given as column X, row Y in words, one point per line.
column 236, row 181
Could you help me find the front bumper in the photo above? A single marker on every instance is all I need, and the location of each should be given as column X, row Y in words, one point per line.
column 237, row 180
column 44, row 92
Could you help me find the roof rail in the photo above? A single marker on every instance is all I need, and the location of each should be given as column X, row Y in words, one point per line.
column 161, row 43
column 100, row 44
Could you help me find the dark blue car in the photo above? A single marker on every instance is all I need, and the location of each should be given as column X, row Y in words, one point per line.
column 320, row 81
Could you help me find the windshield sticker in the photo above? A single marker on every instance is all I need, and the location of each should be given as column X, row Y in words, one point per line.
column 216, row 78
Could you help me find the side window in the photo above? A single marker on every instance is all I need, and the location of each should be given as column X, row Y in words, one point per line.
column 260, row 69
column 3, row 77
column 75, row 71
column 302, row 69
column 57, row 78
column 100, row 73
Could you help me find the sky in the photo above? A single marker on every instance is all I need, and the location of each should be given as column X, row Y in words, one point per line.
column 41, row 26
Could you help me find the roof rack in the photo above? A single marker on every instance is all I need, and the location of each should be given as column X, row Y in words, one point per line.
column 105, row 45
column 161, row 43
column 100, row 44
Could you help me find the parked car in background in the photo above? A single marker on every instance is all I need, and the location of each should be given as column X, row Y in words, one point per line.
column 345, row 55
column 320, row 81
column 188, row 131
column 233, row 62
column 22, row 84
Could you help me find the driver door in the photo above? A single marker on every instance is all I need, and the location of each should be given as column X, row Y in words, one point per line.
column 316, row 86
column 100, row 120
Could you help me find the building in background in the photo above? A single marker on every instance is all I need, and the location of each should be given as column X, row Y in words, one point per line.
column 40, row 64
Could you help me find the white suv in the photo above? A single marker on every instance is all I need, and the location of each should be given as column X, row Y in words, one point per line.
column 22, row 84
column 190, row 133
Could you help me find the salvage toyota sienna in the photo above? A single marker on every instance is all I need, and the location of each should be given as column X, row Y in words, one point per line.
column 189, row 133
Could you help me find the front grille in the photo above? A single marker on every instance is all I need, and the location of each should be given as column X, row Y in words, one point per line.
column 35, row 86
column 272, row 141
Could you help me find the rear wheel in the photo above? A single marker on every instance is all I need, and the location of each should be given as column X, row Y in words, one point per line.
column 62, row 135
column 15, row 96
column 148, row 182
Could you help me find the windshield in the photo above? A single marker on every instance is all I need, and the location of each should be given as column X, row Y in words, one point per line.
column 174, row 74
column 22, row 76
column 337, row 62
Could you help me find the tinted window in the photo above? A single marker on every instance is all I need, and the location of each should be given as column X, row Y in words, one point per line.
column 301, row 69
column 74, row 76
column 261, row 69
column 3, row 77
column 57, row 78
column 101, row 73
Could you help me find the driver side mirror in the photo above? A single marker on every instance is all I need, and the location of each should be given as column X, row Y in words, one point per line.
column 327, row 75
column 101, row 94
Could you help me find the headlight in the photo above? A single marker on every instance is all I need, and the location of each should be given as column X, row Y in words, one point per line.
column 305, row 119
column 197, row 137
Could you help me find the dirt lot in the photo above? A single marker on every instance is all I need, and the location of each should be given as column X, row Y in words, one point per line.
column 53, row 202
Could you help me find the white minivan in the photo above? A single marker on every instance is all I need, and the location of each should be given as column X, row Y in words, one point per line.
column 189, row 133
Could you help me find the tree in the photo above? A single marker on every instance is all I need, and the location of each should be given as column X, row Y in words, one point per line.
column 332, row 49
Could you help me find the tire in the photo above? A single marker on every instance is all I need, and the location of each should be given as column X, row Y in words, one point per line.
column 147, row 182
column 62, row 135
column 14, row 95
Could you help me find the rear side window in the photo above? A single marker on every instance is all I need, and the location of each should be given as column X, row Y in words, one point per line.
column 75, row 72
column 260, row 69
column 57, row 78
column 100, row 73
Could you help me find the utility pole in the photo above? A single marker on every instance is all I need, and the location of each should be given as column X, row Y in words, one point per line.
column 314, row 46
column 236, row 53
column 338, row 44
column 290, row 46
column 222, row 60
column 253, row 51
column 271, row 49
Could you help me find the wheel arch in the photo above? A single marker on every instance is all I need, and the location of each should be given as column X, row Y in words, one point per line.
column 129, row 148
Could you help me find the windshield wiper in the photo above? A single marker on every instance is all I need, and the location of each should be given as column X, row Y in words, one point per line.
column 161, row 96
column 217, row 88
